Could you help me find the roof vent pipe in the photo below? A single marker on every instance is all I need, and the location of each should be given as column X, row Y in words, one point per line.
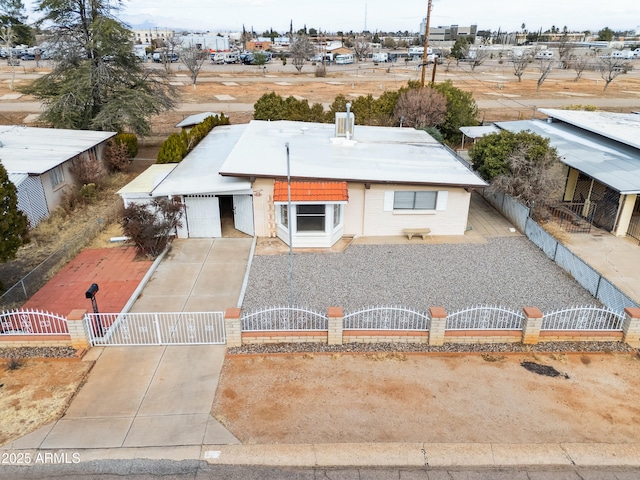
column 348, row 115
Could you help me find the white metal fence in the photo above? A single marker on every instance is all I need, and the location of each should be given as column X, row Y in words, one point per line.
column 166, row 328
column 386, row 318
column 583, row 318
column 485, row 317
column 32, row 322
column 284, row 318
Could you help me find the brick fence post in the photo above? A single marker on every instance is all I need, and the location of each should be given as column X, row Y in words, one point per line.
column 336, row 318
column 437, row 326
column 233, row 327
column 78, row 330
column 532, row 325
column 631, row 327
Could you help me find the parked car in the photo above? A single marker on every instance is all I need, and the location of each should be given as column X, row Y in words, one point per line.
column 28, row 56
column 13, row 61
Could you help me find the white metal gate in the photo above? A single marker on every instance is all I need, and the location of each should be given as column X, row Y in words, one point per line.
column 162, row 328
column 243, row 213
column 202, row 216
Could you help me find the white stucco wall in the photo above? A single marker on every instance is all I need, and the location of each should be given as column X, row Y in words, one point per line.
column 450, row 221
column 264, row 216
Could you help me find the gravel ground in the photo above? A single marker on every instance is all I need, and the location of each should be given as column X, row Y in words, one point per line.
column 38, row 352
column 506, row 271
column 555, row 347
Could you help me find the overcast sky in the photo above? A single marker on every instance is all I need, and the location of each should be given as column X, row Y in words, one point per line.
column 382, row 15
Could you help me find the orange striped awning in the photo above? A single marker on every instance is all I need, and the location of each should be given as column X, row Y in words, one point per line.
column 311, row 191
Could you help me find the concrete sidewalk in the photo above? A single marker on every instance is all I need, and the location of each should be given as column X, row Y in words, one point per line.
column 141, row 397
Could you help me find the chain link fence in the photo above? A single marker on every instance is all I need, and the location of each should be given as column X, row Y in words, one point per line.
column 33, row 281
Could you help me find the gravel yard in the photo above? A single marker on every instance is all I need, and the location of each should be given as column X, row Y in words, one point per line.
column 506, row 271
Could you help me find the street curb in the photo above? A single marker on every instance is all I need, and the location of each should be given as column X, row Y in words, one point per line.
column 398, row 455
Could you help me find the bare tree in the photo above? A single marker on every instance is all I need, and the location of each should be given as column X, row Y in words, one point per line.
column 579, row 64
column 564, row 49
column 361, row 47
column 477, row 58
column 192, row 57
column 545, row 65
column 301, row 50
column 420, row 108
column 520, row 64
column 610, row 68
column 8, row 37
column 171, row 45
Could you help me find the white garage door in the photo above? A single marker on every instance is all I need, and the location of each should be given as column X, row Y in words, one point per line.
column 243, row 213
column 202, row 216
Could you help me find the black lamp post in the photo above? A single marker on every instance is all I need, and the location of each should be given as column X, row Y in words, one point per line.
column 91, row 294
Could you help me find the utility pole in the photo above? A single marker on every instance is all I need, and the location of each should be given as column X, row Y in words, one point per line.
column 426, row 43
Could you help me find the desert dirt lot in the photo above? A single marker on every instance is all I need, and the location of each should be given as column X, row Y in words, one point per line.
column 391, row 397
column 37, row 393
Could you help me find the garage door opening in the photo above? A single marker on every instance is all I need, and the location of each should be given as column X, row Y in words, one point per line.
column 236, row 215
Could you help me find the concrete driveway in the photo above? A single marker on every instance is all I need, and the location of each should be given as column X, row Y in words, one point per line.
column 141, row 397
column 197, row 275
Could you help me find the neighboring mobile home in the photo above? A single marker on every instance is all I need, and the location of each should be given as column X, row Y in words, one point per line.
column 38, row 161
column 601, row 152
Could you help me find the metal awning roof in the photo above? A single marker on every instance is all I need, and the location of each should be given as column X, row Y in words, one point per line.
column 195, row 119
column 144, row 183
column 608, row 161
column 478, row 132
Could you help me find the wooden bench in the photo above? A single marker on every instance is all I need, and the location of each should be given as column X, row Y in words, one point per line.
column 410, row 232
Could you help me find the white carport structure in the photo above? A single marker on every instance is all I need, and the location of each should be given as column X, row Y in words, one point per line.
column 474, row 133
column 197, row 183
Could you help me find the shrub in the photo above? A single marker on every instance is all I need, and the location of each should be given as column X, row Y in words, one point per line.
column 14, row 363
column 321, row 71
column 86, row 168
column 150, row 226
column 131, row 142
column 173, row 149
column 116, row 156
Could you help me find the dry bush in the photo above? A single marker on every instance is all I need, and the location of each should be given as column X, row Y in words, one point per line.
column 420, row 108
column 87, row 169
column 557, row 232
column 116, row 156
column 321, row 71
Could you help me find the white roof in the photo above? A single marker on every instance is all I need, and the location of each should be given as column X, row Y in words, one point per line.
column 377, row 154
column 37, row 150
column 621, row 127
column 195, row 119
column 478, row 132
column 144, row 183
column 614, row 164
column 198, row 173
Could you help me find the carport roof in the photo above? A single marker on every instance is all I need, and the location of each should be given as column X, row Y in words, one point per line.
column 198, row 171
column 608, row 161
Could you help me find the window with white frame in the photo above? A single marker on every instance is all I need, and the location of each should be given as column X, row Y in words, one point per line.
column 310, row 218
column 57, row 176
column 337, row 215
column 284, row 216
column 419, row 200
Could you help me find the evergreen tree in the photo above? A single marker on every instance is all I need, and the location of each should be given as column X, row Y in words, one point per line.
column 14, row 227
column 13, row 14
column 97, row 82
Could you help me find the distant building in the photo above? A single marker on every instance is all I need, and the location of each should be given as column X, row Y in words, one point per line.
column 151, row 34
column 450, row 33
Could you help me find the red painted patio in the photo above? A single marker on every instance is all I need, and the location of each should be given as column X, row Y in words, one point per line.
column 115, row 270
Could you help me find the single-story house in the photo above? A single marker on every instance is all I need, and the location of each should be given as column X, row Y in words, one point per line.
column 379, row 181
column 601, row 153
column 38, row 161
